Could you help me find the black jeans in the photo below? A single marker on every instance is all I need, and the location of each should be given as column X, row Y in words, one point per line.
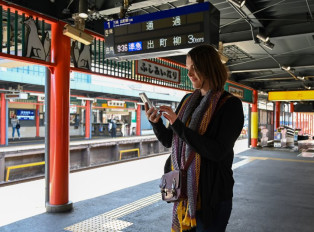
column 221, row 220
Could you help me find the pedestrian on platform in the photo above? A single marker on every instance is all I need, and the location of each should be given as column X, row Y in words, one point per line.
column 113, row 126
column 206, row 124
column 15, row 123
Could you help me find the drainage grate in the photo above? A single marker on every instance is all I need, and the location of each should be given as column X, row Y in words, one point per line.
column 108, row 222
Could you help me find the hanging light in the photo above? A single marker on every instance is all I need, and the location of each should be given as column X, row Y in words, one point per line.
column 238, row 3
column 288, row 68
column 83, row 9
column 262, row 37
column 269, row 45
column 307, row 87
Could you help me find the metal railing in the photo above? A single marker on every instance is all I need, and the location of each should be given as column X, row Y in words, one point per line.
column 13, row 44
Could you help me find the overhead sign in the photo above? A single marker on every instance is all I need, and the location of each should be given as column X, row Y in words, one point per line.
column 25, row 114
column 152, row 69
column 243, row 92
column 164, row 33
column 16, row 96
column 291, row 95
column 114, row 104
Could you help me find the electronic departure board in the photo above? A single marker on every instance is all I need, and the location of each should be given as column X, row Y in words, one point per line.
column 165, row 33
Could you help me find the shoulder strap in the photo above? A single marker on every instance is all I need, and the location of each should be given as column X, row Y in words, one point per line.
column 220, row 103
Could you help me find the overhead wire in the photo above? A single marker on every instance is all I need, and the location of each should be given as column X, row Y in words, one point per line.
column 247, row 19
column 265, row 8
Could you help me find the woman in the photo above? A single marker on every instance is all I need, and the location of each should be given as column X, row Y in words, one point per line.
column 15, row 125
column 206, row 123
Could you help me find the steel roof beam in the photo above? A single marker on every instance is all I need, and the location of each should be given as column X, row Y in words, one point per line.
column 227, row 36
column 296, row 62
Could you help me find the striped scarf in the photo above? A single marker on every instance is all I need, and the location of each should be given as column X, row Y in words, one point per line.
column 197, row 117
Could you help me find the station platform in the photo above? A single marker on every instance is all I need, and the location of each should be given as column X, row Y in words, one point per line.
column 273, row 191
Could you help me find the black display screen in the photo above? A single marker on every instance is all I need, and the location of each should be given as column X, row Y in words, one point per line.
column 159, row 33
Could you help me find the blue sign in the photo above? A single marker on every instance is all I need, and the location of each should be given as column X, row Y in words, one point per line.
column 135, row 46
column 199, row 7
column 25, row 114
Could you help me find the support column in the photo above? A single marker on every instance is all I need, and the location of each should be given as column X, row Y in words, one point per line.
column 37, row 120
column 297, row 121
column 138, row 119
column 254, row 121
column 59, row 122
column 3, row 121
column 88, row 110
column 292, row 113
column 277, row 122
column 302, row 121
column 249, row 127
column 307, row 123
column 2, row 166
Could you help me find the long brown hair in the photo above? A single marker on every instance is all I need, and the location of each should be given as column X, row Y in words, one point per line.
column 208, row 65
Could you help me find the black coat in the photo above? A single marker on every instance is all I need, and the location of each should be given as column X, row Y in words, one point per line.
column 216, row 150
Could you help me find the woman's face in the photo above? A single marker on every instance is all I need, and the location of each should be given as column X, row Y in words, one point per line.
column 196, row 80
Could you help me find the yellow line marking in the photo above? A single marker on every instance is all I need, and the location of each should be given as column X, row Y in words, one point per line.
column 130, row 150
column 279, row 159
column 9, row 168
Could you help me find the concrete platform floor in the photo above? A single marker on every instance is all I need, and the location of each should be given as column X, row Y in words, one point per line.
column 274, row 191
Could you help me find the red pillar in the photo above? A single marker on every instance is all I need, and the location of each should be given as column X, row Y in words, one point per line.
column 37, row 120
column 254, row 120
column 292, row 114
column 3, row 120
column 312, row 127
column 87, row 120
column 303, row 127
column 59, row 122
column 277, row 115
column 307, row 123
column 138, row 119
column 297, row 121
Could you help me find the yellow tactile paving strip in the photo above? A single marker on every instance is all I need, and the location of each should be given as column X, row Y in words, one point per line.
column 108, row 222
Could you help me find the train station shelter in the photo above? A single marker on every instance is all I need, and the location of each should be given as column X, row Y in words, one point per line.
column 267, row 45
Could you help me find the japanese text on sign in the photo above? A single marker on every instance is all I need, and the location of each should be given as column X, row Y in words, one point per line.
column 159, row 71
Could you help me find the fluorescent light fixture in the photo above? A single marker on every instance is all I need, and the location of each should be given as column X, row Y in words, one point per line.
column 78, row 35
column 85, row 98
column 238, row 3
column 263, row 38
column 37, row 94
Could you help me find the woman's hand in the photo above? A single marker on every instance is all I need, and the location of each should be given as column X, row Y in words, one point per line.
column 152, row 114
column 168, row 113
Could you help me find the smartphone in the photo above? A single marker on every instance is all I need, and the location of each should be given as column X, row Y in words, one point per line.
column 146, row 99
